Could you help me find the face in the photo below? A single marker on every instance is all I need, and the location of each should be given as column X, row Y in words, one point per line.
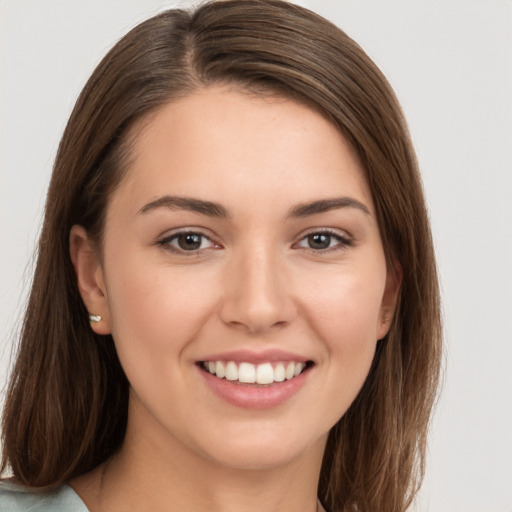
column 243, row 278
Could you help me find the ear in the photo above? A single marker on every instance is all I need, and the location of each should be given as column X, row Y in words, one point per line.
column 89, row 273
column 389, row 299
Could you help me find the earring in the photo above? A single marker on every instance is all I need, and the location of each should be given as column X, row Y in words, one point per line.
column 95, row 318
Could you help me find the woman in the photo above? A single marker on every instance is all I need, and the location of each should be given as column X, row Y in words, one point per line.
column 235, row 304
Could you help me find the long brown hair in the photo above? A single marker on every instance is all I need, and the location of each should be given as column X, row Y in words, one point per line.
column 66, row 406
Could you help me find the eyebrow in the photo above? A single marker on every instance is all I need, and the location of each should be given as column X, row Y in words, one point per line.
column 186, row 203
column 325, row 205
column 212, row 209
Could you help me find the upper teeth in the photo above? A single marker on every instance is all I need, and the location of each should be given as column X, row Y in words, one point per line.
column 249, row 373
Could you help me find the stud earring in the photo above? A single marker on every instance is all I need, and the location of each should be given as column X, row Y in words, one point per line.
column 95, row 318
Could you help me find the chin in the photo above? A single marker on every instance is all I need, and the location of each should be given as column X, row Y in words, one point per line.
column 264, row 451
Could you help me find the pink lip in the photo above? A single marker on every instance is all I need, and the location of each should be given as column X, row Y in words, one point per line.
column 250, row 396
column 253, row 357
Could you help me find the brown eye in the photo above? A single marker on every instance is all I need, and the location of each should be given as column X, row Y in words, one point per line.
column 187, row 241
column 324, row 241
column 319, row 241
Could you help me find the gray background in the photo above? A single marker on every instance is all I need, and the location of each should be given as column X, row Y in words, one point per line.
column 450, row 63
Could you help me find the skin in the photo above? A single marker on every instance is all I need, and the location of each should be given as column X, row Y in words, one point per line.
column 255, row 283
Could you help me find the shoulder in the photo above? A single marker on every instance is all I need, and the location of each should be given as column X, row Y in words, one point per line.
column 16, row 498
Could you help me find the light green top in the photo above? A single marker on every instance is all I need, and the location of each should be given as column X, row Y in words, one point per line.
column 16, row 498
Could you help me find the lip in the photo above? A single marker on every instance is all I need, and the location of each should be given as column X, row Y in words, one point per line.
column 253, row 357
column 251, row 396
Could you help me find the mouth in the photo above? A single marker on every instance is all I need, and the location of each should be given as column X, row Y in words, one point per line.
column 257, row 375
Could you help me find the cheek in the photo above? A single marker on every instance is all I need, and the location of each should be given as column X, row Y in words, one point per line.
column 346, row 308
column 157, row 313
column 345, row 319
column 156, row 310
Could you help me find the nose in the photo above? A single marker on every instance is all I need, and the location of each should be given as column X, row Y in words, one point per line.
column 256, row 296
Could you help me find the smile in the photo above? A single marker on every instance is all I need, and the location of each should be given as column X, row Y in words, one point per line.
column 248, row 373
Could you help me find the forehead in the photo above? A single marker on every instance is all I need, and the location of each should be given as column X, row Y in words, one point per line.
column 223, row 142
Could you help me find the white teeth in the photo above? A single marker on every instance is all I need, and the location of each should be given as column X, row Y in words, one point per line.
column 290, row 371
column 279, row 372
column 298, row 368
column 220, row 370
column 248, row 373
column 264, row 374
column 231, row 371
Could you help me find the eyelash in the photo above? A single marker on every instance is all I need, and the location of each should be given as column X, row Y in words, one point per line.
column 342, row 241
column 166, row 242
